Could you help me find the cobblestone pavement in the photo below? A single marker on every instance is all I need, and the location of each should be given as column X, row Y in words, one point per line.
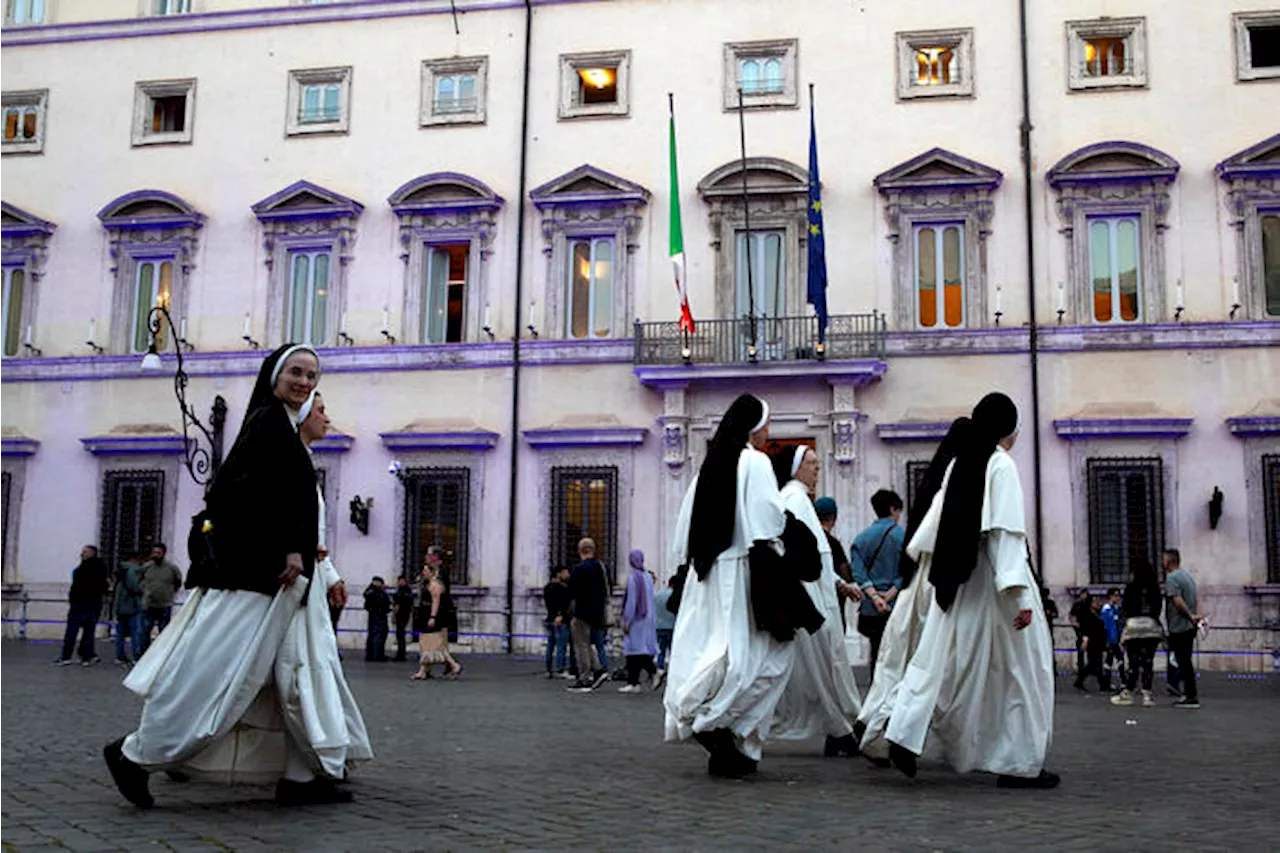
column 506, row 760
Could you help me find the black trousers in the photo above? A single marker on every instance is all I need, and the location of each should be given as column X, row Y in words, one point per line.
column 1142, row 654
column 375, row 648
column 82, row 619
column 637, row 664
column 871, row 626
column 1181, row 644
column 1093, row 666
column 402, row 626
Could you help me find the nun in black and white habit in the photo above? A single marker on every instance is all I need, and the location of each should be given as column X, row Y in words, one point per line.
column 211, row 710
column 731, row 656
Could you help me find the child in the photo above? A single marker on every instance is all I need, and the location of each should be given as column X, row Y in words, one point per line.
column 1113, row 620
column 1093, row 642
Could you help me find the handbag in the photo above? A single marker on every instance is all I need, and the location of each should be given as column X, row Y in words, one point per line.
column 1142, row 628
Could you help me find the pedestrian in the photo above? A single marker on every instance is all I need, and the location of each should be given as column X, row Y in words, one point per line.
column 1093, row 644
column 876, row 552
column 212, row 701
column 1142, row 633
column 821, row 697
column 979, row 684
column 435, row 619
column 161, row 581
column 377, row 604
column 402, row 599
column 588, row 598
column 555, row 595
column 731, row 655
column 1113, row 620
column 665, row 626
column 1183, row 618
column 1079, row 608
column 828, row 514
column 89, row 583
column 128, row 604
column 639, row 632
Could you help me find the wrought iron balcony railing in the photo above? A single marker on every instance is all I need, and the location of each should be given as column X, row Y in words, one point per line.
column 775, row 339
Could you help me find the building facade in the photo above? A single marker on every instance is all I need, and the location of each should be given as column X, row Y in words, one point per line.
column 465, row 206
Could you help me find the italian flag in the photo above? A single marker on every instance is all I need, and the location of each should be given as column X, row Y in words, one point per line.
column 676, row 232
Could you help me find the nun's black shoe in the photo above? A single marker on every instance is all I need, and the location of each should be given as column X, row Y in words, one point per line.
column 716, row 741
column 177, row 776
column 840, row 747
column 317, row 792
column 903, row 759
column 1043, row 781
column 129, row 777
column 730, row 764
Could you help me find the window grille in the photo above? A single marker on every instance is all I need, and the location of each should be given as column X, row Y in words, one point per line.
column 1126, row 516
column 322, row 478
column 437, row 509
column 132, row 514
column 915, row 478
column 1271, row 513
column 584, row 504
column 6, row 482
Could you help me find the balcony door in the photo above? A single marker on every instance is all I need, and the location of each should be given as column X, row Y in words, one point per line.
column 765, row 297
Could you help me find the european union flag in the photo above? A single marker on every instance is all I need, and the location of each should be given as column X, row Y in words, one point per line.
column 817, row 235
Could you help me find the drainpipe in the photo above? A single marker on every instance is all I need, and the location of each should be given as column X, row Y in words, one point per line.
column 1033, row 332
column 515, row 340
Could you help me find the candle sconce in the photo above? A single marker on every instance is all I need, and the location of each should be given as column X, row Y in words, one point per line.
column 1061, row 312
column 532, row 330
column 1177, row 314
column 488, row 331
column 1234, row 309
column 32, row 349
column 360, row 513
column 97, row 350
column 390, row 338
column 250, row 342
column 998, row 315
column 345, row 340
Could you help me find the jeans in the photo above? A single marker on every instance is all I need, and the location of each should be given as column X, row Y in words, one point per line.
column 128, row 627
column 81, row 618
column 637, row 664
column 1180, row 646
column 376, row 645
column 664, row 646
column 153, row 617
column 557, row 647
column 599, row 636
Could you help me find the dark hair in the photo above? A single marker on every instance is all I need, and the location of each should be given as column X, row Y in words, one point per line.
column 558, row 569
column 93, row 548
column 1115, row 590
column 884, row 502
column 1173, row 555
column 377, row 579
column 161, row 546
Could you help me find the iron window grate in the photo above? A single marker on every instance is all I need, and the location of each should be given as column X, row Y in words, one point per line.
column 132, row 516
column 1271, row 513
column 437, row 512
column 6, row 483
column 584, row 503
column 1126, row 516
column 915, row 478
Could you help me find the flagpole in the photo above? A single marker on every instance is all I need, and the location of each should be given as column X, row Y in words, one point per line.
column 684, row 331
column 746, row 217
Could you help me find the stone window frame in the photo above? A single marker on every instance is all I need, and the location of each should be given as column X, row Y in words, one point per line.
column 148, row 225
column 570, row 63
column 963, row 193
column 24, row 243
column 787, row 50
column 1251, row 184
column 906, row 45
column 17, row 450
column 301, row 216
column 167, row 462
column 588, row 202
column 440, row 208
column 146, row 91
column 1259, row 435
column 38, row 98
column 1241, row 22
column 778, row 193
column 477, row 65
column 1134, row 30
column 46, row 15
column 1114, row 178
column 302, row 77
column 472, row 460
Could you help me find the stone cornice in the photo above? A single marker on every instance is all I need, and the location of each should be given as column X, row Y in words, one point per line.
column 602, row 436
column 1254, row 426
column 19, row 446
column 124, row 445
column 1075, row 429
column 463, row 439
column 902, row 431
column 334, row 442
column 859, row 372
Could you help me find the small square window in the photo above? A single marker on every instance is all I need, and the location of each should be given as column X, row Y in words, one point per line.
column 1257, row 45
column 1108, row 53
column 23, row 13
column 163, row 111
column 765, row 71
column 24, row 114
column 935, row 64
column 453, row 91
column 595, row 84
column 319, row 101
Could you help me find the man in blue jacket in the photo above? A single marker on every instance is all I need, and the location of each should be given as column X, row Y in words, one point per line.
column 874, row 559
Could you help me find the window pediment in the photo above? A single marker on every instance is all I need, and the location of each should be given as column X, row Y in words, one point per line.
column 766, row 176
column 587, row 186
column 1113, row 162
column 149, row 209
column 938, row 169
column 1260, row 161
column 17, row 222
column 305, row 200
column 443, row 191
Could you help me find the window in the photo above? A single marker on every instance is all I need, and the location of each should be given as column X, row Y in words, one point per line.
column 153, row 286
column 437, row 504
column 24, row 121
column 935, row 63
column 1270, row 227
column 1108, row 53
column 767, row 294
column 319, row 101
column 444, row 286
column 1257, row 45
column 171, row 7
column 939, row 253
column 584, row 504
column 1126, row 516
column 18, row 13
column 163, row 112
column 453, row 91
column 308, row 296
column 14, row 286
column 765, row 71
column 1271, row 501
column 6, row 483
column 915, row 479
column 589, row 304
column 1114, row 267
column 132, row 514
column 594, row 84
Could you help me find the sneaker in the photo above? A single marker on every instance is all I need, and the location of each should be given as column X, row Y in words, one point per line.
column 579, row 688
column 1173, row 691
column 631, row 688
column 659, row 679
column 62, row 661
column 93, row 661
column 566, row 674
column 124, row 662
column 1124, row 698
column 1193, row 704
column 601, row 677
column 1147, row 700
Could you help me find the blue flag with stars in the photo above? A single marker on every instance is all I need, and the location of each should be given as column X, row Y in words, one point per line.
column 817, row 235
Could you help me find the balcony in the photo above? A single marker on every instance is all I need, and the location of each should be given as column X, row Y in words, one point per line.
column 776, row 339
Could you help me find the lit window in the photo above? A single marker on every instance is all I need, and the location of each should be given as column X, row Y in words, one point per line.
column 1105, row 57
column 939, row 253
column 597, row 86
column 584, row 504
column 319, row 101
column 590, row 298
column 1271, row 263
column 1107, row 53
column 163, row 112
column 594, row 84
column 444, row 293
column 935, row 64
column 1257, row 36
column 14, row 284
column 23, row 12
column 153, row 288
column 1115, row 269
column 24, row 121
column 308, row 297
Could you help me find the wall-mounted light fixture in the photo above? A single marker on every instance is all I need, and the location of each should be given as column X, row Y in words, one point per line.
column 360, row 513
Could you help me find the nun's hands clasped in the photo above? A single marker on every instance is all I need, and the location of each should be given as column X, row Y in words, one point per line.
column 292, row 569
column 338, row 594
column 1022, row 620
